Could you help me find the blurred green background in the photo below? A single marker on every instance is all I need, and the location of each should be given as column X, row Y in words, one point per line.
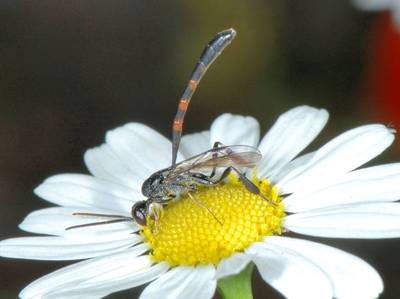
column 71, row 70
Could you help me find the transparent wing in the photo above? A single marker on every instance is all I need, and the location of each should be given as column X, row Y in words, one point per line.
column 226, row 156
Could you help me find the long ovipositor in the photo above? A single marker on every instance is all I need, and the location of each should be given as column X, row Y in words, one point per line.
column 215, row 47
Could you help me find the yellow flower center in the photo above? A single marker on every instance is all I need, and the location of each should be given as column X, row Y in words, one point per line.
column 218, row 222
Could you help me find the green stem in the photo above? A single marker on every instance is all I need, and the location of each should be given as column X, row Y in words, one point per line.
column 237, row 286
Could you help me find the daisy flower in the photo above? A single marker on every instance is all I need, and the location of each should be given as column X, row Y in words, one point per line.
column 185, row 253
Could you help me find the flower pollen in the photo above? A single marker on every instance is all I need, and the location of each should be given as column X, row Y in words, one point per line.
column 226, row 218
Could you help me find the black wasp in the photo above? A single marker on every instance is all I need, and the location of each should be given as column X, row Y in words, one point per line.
column 183, row 177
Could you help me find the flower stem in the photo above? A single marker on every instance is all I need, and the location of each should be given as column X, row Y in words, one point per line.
column 237, row 286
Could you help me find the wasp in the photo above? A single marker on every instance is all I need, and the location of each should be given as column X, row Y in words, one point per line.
column 186, row 176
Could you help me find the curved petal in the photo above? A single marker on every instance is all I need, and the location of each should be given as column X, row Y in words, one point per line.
column 396, row 12
column 364, row 221
column 103, row 163
column 289, row 272
column 96, row 269
column 373, row 4
column 57, row 220
column 77, row 190
column 378, row 183
column 232, row 265
column 298, row 163
column 115, row 280
column 60, row 248
column 196, row 143
column 351, row 277
column 235, row 130
column 374, row 172
column 338, row 157
column 292, row 132
column 139, row 146
column 183, row 282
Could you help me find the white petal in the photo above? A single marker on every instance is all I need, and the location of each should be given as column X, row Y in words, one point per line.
column 289, row 272
column 373, row 4
column 55, row 221
column 93, row 183
column 291, row 133
column 140, row 147
column 298, row 163
column 72, row 276
column 378, row 183
column 395, row 9
column 183, row 283
column 79, row 296
column 193, row 144
column 125, row 277
column 75, row 190
column 351, row 277
column 365, row 221
column 232, row 265
column 339, row 156
column 235, row 130
column 374, row 172
column 60, row 248
column 103, row 163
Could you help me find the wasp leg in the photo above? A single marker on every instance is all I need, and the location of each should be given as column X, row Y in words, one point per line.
column 202, row 179
column 204, row 206
column 216, row 145
column 205, row 180
column 246, row 182
column 153, row 213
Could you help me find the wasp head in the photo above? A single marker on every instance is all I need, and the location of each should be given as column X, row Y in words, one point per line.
column 139, row 212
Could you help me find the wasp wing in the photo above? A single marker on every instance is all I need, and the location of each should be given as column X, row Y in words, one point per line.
column 236, row 156
column 225, row 156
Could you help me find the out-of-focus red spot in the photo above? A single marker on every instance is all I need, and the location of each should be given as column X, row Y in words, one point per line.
column 382, row 86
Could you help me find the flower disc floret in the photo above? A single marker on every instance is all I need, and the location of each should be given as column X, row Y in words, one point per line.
column 220, row 221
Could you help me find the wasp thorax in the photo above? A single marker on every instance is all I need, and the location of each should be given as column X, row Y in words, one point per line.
column 151, row 186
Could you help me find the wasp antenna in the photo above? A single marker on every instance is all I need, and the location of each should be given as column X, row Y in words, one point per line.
column 100, row 215
column 98, row 223
column 207, row 57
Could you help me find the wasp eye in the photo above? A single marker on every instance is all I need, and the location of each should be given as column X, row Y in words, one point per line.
column 139, row 212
